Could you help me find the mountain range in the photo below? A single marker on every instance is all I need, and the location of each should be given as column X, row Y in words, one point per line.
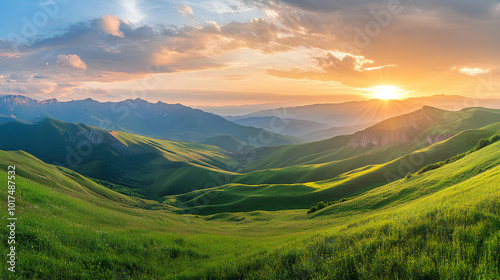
column 159, row 168
column 417, row 190
column 160, row 120
column 346, row 118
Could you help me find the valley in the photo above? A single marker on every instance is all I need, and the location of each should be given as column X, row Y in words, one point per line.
column 249, row 140
column 190, row 203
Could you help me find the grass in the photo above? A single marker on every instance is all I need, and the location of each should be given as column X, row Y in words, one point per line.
column 442, row 224
column 481, row 144
column 155, row 168
column 238, row 197
column 336, row 148
column 445, row 228
column 72, row 228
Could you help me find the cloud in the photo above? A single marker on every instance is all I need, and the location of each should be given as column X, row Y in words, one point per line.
column 31, row 88
column 185, row 11
column 236, row 77
column 417, row 46
column 338, row 66
column 335, row 61
column 463, row 7
column 41, row 76
column 473, row 71
column 71, row 60
column 140, row 51
column 111, row 25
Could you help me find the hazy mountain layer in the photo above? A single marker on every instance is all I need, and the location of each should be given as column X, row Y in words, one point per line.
column 160, row 120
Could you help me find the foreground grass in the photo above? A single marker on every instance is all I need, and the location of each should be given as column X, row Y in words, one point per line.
column 441, row 224
column 69, row 227
column 453, row 234
column 356, row 181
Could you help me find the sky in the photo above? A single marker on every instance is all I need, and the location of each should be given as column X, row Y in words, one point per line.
column 242, row 52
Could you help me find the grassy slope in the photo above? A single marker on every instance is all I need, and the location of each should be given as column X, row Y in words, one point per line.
column 71, row 228
column 130, row 160
column 441, row 224
column 159, row 167
column 227, row 143
column 243, row 197
column 334, row 149
column 162, row 167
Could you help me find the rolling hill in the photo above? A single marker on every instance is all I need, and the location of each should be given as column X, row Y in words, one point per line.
column 227, row 143
column 304, row 186
column 390, row 138
column 291, row 127
column 134, row 161
column 333, row 131
column 442, row 224
column 155, row 168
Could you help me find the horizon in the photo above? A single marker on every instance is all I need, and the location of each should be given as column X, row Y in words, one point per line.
column 236, row 53
column 248, row 109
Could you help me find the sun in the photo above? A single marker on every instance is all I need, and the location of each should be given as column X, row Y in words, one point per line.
column 386, row 92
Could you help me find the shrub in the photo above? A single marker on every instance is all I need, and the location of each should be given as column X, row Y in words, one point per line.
column 482, row 143
column 408, row 176
column 455, row 158
column 494, row 138
column 312, row 210
column 430, row 167
column 321, row 205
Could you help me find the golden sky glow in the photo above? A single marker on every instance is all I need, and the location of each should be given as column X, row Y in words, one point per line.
column 386, row 92
column 251, row 52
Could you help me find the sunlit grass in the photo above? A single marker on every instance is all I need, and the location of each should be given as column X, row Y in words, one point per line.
column 444, row 223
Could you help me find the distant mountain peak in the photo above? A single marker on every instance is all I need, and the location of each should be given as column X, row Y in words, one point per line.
column 398, row 129
column 89, row 100
column 49, row 101
column 161, row 120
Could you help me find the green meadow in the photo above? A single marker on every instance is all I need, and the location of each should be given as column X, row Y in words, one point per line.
column 444, row 223
column 250, row 140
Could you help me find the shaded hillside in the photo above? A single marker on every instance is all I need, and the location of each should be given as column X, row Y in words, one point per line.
column 393, row 137
column 286, row 126
column 343, row 114
column 227, row 143
column 399, row 129
column 304, row 186
column 152, row 166
column 334, row 131
column 160, row 120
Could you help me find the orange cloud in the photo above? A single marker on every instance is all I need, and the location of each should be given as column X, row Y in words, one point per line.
column 71, row 60
column 110, row 24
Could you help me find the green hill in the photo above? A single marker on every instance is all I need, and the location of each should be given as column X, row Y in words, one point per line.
column 393, row 137
column 153, row 167
column 158, row 120
column 313, row 183
column 443, row 224
column 227, row 143
column 156, row 168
